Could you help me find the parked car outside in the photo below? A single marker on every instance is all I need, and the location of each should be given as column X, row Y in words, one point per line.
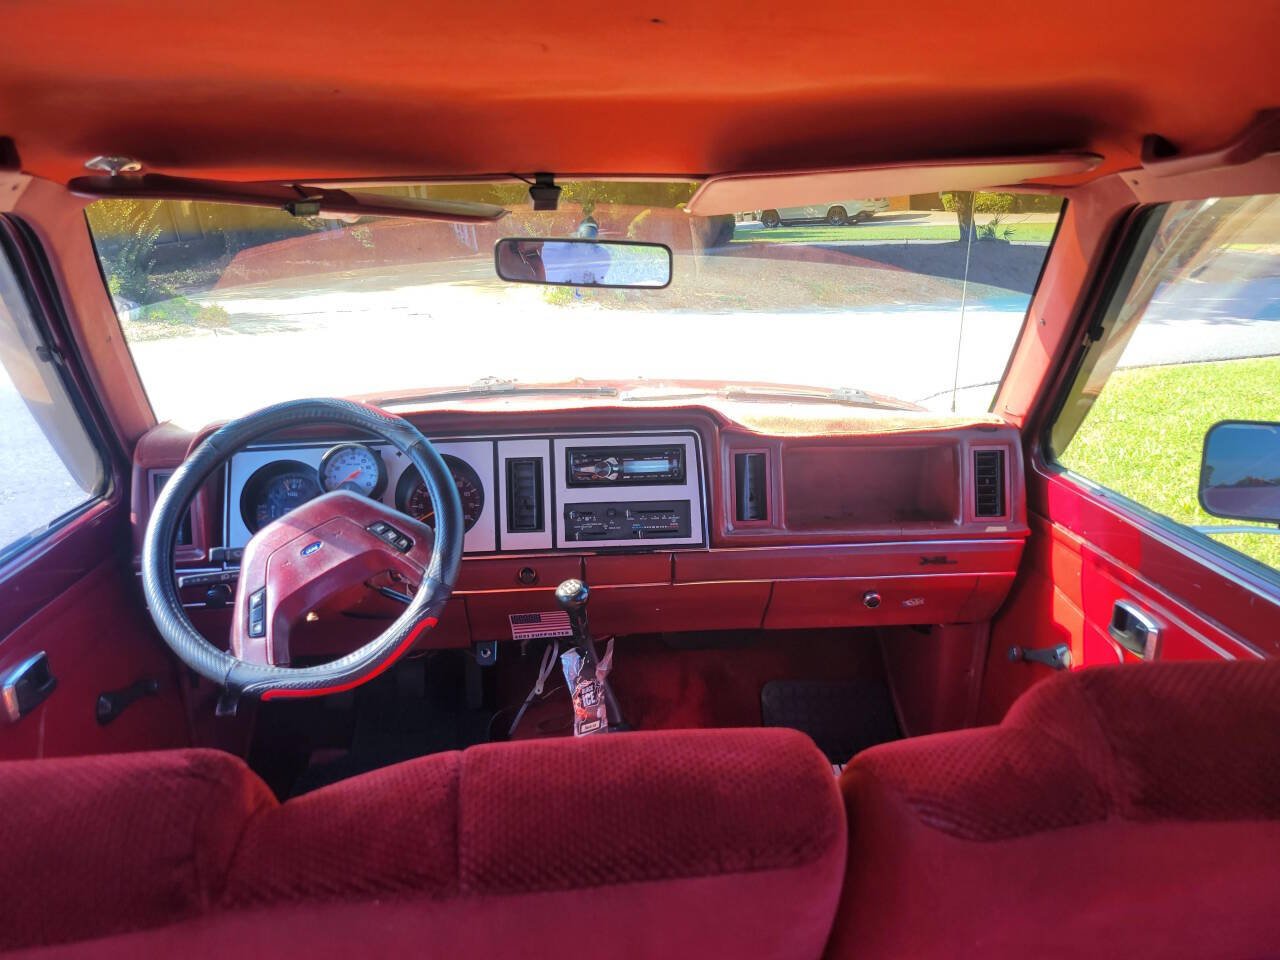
column 837, row 214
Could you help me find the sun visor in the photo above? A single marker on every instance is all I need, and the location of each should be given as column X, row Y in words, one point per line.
column 736, row 192
column 300, row 200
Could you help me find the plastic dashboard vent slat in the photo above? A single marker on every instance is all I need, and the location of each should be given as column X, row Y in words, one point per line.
column 988, row 483
column 524, row 493
column 749, row 494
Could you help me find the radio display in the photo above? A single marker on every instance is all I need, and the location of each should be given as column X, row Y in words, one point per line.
column 595, row 466
column 650, row 466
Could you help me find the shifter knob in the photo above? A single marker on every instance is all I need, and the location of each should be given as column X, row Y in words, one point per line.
column 572, row 595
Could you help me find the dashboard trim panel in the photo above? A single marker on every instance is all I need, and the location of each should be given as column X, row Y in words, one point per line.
column 762, row 574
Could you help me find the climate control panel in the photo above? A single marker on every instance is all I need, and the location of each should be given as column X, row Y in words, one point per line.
column 629, row 520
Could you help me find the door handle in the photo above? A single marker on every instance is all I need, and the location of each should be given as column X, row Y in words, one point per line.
column 25, row 687
column 1057, row 657
column 1134, row 629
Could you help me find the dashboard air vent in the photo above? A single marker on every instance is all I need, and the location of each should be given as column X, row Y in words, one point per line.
column 749, row 487
column 988, row 483
column 158, row 480
column 524, row 495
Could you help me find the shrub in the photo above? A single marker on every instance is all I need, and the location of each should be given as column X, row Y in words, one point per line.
column 1037, row 203
column 183, row 312
column 558, row 296
column 994, row 229
column 1006, row 203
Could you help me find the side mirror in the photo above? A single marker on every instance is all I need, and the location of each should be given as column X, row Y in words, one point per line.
column 1240, row 471
column 583, row 263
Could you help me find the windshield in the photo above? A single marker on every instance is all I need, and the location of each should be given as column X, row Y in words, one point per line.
column 227, row 308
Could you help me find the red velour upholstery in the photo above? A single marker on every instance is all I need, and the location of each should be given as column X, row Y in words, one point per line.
column 91, row 845
column 1116, row 812
column 719, row 843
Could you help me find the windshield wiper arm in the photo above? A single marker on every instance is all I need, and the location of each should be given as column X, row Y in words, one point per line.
column 847, row 396
column 489, row 386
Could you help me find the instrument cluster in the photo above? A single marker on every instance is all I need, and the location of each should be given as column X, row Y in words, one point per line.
column 519, row 493
column 276, row 488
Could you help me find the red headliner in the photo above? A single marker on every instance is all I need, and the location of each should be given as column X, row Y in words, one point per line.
column 321, row 89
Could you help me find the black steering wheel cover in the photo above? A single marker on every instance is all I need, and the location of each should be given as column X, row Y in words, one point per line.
column 160, row 585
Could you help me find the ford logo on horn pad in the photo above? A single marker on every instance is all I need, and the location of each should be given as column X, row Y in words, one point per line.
column 311, row 548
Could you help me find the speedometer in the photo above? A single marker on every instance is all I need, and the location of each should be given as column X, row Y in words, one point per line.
column 276, row 489
column 412, row 497
column 354, row 467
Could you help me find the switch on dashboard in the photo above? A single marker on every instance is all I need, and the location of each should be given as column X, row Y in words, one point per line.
column 258, row 613
column 391, row 535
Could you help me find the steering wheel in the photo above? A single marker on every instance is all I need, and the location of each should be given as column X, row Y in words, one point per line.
column 334, row 541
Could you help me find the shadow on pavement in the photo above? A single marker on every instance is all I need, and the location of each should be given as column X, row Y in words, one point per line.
column 1009, row 266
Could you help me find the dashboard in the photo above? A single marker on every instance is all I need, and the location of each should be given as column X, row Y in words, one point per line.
column 681, row 518
column 518, row 493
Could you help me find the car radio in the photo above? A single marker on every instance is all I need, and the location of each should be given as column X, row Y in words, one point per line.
column 636, row 492
column 650, row 465
column 640, row 520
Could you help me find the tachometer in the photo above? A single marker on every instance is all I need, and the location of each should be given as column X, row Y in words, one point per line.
column 276, row 489
column 412, row 497
column 354, row 467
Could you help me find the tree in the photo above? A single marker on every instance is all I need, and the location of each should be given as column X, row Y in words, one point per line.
column 961, row 202
column 126, row 232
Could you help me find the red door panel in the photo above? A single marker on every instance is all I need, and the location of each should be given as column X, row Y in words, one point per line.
column 1184, row 634
column 1245, row 608
column 1043, row 610
column 70, row 593
column 1084, row 554
column 98, row 640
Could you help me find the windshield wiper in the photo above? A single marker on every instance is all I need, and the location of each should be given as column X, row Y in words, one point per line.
column 845, row 396
column 488, row 386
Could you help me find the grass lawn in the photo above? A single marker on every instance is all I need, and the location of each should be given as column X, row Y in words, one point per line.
column 1144, row 435
column 889, row 232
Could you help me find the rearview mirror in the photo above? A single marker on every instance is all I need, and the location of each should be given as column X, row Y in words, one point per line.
column 1240, row 471
column 583, row 263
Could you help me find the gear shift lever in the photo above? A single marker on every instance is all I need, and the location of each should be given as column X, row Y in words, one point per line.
column 572, row 596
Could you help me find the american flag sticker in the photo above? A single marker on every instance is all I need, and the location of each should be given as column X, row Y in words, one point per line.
column 540, row 626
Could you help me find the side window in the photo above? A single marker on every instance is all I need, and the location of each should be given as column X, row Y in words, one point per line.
column 51, row 467
column 1192, row 339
